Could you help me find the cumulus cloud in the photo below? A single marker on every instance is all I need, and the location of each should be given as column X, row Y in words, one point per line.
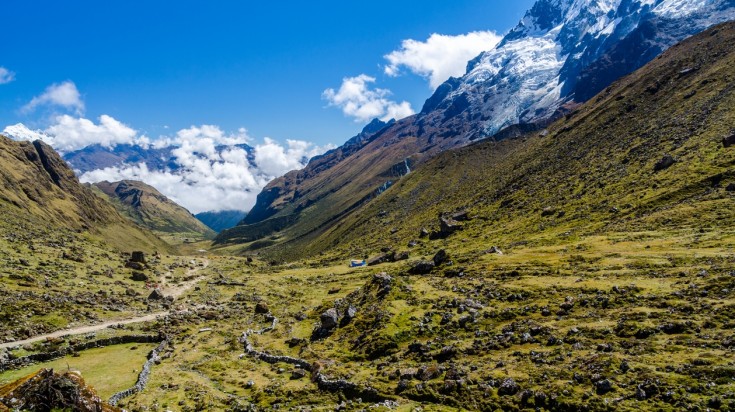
column 211, row 168
column 440, row 56
column 358, row 100
column 211, row 132
column 215, row 177
column 63, row 95
column 6, row 76
column 70, row 133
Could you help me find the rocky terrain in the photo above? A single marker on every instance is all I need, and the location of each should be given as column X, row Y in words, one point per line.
column 584, row 264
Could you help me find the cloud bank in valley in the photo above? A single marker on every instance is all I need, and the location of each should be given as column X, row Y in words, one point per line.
column 214, row 170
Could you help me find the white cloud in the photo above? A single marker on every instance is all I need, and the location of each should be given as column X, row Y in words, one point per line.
column 211, row 172
column 58, row 94
column 211, row 132
column 276, row 160
column 212, row 179
column 6, row 76
column 357, row 100
column 70, row 133
column 440, row 56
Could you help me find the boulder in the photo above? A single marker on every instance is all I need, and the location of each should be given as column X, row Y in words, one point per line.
column 447, row 225
column 423, row 232
column 134, row 265
column 155, row 295
column 728, row 141
column 350, row 314
column 329, row 319
column 400, row 256
column 139, row 277
column 298, row 374
column 138, row 256
column 603, row 386
column 385, row 257
column 494, row 249
column 261, row 307
column 508, row 387
column 422, row 267
column 440, row 257
column 730, row 187
column 666, row 162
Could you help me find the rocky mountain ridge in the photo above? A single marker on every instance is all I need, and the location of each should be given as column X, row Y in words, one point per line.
column 560, row 50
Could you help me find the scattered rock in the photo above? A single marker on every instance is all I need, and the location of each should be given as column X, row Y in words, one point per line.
column 138, row 256
column 298, row 374
column 139, row 277
column 422, row 267
column 440, row 257
column 423, row 232
column 261, row 307
column 494, row 249
column 329, row 319
column 728, row 141
column 666, row 162
column 400, row 256
column 508, row 387
column 548, row 211
column 603, row 386
column 131, row 292
column 135, row 265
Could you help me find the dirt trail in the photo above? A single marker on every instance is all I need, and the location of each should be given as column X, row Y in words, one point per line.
column 167, row 290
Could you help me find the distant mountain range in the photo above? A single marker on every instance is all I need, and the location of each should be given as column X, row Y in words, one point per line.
column 561, row 54
column 219, row 221
column 97, row 157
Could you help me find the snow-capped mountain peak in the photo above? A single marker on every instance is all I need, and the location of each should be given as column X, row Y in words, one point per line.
column 553, row 55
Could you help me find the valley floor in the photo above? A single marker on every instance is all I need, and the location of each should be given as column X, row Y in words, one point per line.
column 617, row 321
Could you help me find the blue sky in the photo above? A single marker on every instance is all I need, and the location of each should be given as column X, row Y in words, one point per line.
column 158, row 67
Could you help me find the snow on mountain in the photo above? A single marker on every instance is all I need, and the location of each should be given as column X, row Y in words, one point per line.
column 536, row 68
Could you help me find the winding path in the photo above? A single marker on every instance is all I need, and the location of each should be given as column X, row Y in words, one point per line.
column 173, row 290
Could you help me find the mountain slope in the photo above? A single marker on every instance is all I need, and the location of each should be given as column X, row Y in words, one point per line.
column 37, row 185
column 219, row 221
column 647, row 154
column 559, row 49
column 148, row 207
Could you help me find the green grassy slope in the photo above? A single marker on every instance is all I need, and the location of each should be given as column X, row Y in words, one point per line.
column 149, row 208
column 589, row 173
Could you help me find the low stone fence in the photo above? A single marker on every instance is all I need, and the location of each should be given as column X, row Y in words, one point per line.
column 142, row 377
column 349, row 389
column 60, row 353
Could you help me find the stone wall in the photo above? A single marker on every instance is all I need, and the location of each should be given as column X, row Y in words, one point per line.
column 60, row 353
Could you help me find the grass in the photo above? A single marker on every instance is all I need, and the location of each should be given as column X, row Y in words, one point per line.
column 109, row 369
